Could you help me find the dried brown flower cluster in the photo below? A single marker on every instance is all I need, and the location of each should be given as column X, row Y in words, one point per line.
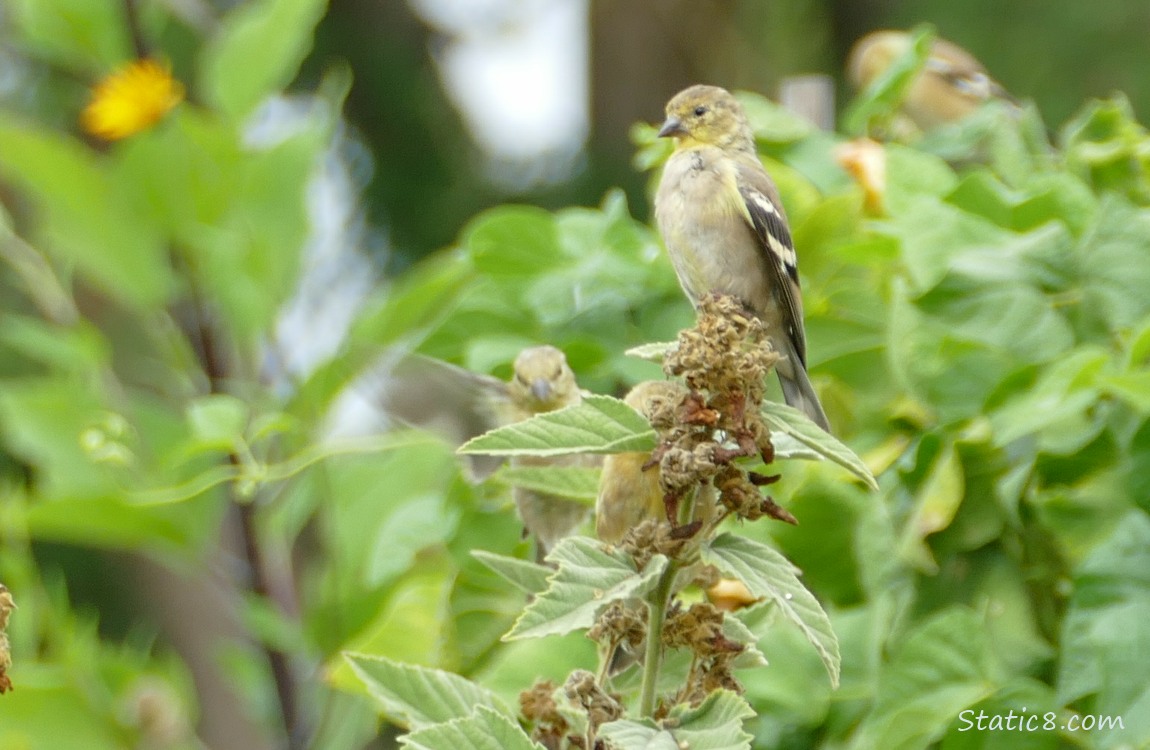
column 551, row 729
column 700, row 629
column 724, row 360
column 537, row 705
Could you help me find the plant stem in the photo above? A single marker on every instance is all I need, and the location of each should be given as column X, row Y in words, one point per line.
column 656, row 615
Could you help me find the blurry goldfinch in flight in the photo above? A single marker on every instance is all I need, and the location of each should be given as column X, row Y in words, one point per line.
column 951, row 85
column 725, row 230
column 459, row 404
column 543, row 382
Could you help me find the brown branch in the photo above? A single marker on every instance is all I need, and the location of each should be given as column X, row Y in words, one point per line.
column 132, row 14
column 261, row 579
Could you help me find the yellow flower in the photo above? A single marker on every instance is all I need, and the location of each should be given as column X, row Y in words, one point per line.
column 130, row 100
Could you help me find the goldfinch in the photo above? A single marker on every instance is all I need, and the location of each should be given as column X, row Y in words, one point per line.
column 725, row 229
column 543, row 382
column 459, row 405
column 951, row 85
column 629, row 493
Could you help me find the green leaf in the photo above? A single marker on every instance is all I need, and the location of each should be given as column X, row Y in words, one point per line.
column 625, row 734
column 80, row 348
column 572, row 482
column 1062, row 394
column 111, row 523
column 530, row 577
column 770, row 575
column 64, row 430
column 1105, row 643
column 84, row 216
column 715, row 724
column 257, row 51
column 1028, row 699
column 935, row 506
column 588, row 579
column 737, row 630
column 418, row 697
column 912, row 176
column 1013, row 317
column 411, row 625
column 792, row 422
column 942, row 668
column 218, row 420
column 931, row 233
column 483, row 730
column 1133, row 388
column 600, row 424
column 513, row 241
column 89, row 35
column 1113, row 253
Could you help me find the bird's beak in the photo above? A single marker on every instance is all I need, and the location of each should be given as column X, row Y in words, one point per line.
column 541, row 389
column 672, row 126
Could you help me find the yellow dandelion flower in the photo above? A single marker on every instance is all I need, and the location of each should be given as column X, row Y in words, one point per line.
column 130, row 100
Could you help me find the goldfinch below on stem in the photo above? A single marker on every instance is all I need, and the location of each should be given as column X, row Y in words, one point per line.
column 725, row 229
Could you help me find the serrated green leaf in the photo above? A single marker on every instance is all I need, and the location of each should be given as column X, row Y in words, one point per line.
column 737, row 630
column 589, row 578
column 770, row 575
column 715, row 724
column 625, row 734
column 417, row 696
column 600, row 424
column 571, row 482
column 652, row 352
column 528, row 576
column 791, row 421
column 483, row 730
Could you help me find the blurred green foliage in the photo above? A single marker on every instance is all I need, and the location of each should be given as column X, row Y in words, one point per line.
column 984, row 343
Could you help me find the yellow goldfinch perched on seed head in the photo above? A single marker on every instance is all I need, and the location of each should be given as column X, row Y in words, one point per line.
column 725, row 230
column 951, row 85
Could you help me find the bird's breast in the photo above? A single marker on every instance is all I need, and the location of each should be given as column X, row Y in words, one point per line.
column 710, row 244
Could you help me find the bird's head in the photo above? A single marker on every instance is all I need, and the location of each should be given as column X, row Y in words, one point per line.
column 543, row 380
column 709, row 116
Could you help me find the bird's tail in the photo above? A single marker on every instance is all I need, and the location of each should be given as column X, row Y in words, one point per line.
column 799, row 393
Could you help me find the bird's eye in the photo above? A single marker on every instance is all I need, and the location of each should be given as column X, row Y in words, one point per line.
column 700, row 111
